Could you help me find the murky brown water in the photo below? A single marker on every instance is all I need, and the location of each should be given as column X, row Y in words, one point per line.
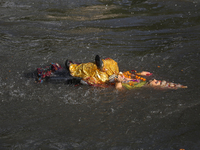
column 138, row 34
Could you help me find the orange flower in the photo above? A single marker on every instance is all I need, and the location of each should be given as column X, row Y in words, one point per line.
column 127, row 74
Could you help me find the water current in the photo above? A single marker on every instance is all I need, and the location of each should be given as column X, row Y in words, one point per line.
column 160, row 36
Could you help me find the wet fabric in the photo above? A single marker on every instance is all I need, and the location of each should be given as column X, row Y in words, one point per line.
column 134, row 84
column 56, row 74
column 43, row 73
column 93, row 75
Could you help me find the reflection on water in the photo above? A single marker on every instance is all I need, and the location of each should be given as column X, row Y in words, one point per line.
column 86, row 13
column 158, row 36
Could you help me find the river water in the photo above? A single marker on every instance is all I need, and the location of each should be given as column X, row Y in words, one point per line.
column 155, row 35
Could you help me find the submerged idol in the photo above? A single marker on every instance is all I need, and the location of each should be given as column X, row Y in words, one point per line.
column 101, row 73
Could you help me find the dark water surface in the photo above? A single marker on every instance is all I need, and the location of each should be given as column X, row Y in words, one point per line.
column 138, row 34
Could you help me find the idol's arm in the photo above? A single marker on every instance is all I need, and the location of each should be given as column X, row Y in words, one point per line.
column 118, row 82
column 144, row 73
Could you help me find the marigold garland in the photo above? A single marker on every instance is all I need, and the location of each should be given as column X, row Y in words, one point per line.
column 127, row 74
